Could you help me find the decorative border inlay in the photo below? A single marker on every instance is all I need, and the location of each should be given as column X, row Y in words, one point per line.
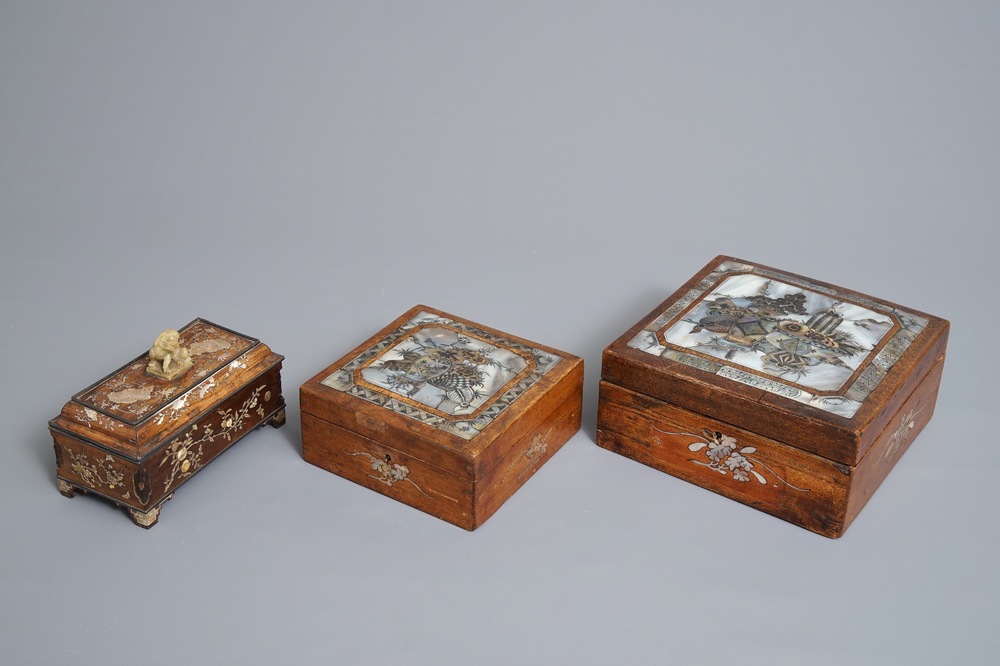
column 758, row 381
column 749, row 349
column 347, row 378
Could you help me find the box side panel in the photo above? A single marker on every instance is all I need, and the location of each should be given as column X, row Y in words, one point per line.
column 388, row 470
column 529, row 415
column 904, row 427
column 85, row 467
column 544, row 435
column 695, row 391
column 435, row 447
column 788, row 483
column 184, row 455
column 907, row 377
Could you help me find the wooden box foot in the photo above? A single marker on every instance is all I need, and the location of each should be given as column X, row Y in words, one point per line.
column 145, row 519
column 278, row 419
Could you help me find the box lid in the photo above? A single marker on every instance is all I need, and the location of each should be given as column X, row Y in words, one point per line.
column 803, row 362
column 132, row 412
column 432, row 378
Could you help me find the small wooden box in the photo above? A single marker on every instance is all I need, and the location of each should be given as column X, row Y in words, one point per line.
column 134, row 438
column 787, row 394
column 442, row 414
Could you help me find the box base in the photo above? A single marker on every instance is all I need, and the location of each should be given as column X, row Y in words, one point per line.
column 466, row 501
column 142, row 487
column 775, row 477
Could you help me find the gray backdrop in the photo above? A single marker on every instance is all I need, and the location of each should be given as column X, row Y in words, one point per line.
column 305, row 172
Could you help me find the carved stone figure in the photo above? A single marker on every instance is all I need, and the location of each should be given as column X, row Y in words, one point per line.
column 167, row 359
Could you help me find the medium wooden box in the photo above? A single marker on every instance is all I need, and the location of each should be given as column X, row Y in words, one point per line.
column 445, row 415
column 134, row 438
column 787, row 394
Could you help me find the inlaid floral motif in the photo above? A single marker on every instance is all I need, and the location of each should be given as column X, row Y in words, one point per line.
column 186, row 455
column 130, row 395
column 104, row 473
column 724, row 455
column 388, row 472
column 92, row 418
column 902, row 434
column 539, row 445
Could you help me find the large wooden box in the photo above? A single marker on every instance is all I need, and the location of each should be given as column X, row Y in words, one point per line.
column 787, row 394
column 134, row 438
column 445, row 415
